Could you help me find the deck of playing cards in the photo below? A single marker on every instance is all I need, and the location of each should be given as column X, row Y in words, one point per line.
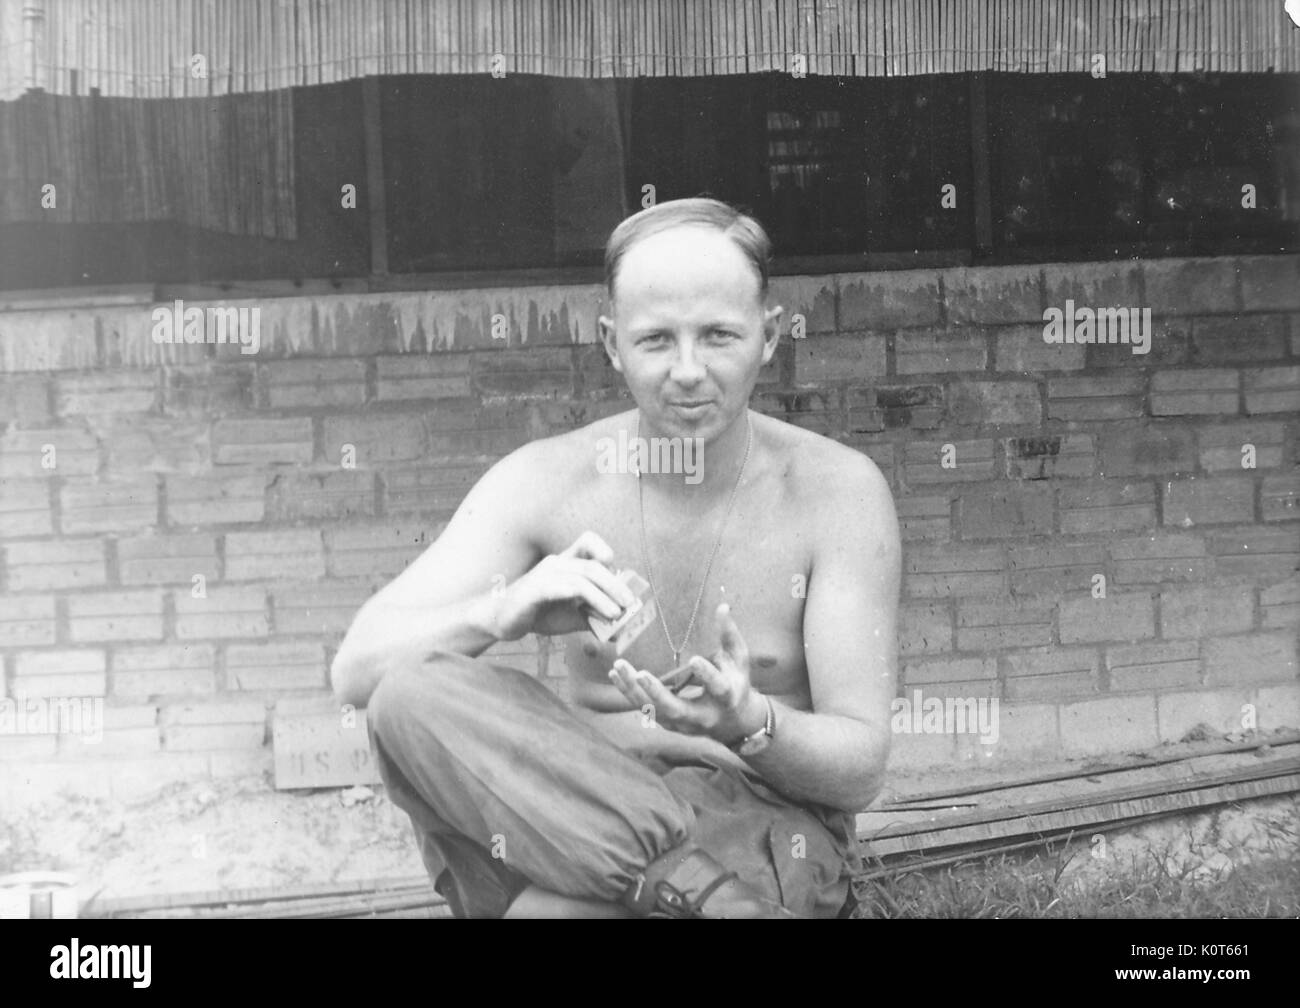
column 634, row 619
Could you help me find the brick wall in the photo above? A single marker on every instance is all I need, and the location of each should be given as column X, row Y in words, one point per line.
column 186, row 530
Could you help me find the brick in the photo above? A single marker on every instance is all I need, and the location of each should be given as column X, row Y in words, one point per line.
column 59, row 673
column 1025, row 731
column 1182, row 712
column 424, row 376
column 1170, row 346
column 27, row 748
column 1278, row 706
column 970, row 460
column 1190, row 286
column 25, row 508
column 118, row 506
column 1167, row 556
column 1050, row 673
column 994, row 625
column 538, row 372
column 24, row 400
column 1258, row 554
column 346, row 493
column 120, row 742
column 193, row 738
column 817, row 410
column 1152, row 449
column 282, row 553
column 972, row 403
column 1233, row 339
column 49, row 451
column 1023, row 349
column 263, row 442
column 925, row 518
column 1295, row 335
column 813, row 297
column 140, row 444
column 1106, row 506
column 26, row 621
column 1095, row 397
column 1279, row 497
column 167, row 559
column 1002, row 511
column 294, row 383
column 108, row 392
column 1279, row 605
column 822, row 360
column 1108, row 725
column 430, row 489
column 116, row 616
column 219, row 711
column 1272, row 390
column 65, row 563
column 950, row 670
column 994, row 294
column 1222, row 445
column 1206, row 390
column 924, row 351
column 1095, row 285
column 172, row 669
column 325, row 610
column 1196, row 611
column 1160, row 666
column 375, row 438
column 1038, row 568
column 1039, row 458
column 883, row 301
column 1270, row 282
column 1258, row 657
column 224, row 612
column 208, row 389
column 376, row 550
column 1120, row 616
column 1208, row 500
column 919, row 407
column 924, row 629
column 941, row 572
column 217, row 498
column 282, row 665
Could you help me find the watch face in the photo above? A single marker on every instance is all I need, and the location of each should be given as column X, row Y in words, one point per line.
column 754, row 745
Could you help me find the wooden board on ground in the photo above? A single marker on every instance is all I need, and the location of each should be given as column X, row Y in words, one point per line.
column 318, row 745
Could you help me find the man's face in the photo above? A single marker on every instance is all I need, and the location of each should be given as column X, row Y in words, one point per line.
column 689, row 332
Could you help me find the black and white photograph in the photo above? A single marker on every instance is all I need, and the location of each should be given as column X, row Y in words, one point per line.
column 585, row 459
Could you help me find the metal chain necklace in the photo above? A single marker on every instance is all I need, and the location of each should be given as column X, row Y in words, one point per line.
column 645, row 553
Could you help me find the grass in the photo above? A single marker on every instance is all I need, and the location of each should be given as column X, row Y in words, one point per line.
column 1035, row 887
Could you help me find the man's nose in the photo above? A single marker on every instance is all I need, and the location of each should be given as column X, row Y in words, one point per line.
column 687, row 367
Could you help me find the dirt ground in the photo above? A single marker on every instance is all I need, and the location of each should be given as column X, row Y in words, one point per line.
column 239, row 833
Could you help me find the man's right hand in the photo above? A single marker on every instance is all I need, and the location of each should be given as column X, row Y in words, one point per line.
column 556, row 595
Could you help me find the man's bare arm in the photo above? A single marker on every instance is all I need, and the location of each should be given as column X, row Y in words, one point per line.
column 480, row 582
column 836, row 754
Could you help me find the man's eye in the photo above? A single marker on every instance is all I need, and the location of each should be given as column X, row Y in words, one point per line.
column 657, row 337
column 723, row 334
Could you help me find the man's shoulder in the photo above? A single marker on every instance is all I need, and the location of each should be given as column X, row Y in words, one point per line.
column 827, row 470
column 561, row 460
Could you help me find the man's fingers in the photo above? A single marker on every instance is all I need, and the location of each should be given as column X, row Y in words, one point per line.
column 729, row 636
column 715, row 683
column 605, row 580
column 590, row 546
column 578, row 586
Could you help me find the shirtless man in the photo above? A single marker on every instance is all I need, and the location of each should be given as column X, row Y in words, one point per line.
column 775, row 570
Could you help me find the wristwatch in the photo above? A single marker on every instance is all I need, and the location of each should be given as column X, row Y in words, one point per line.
column 751, row 745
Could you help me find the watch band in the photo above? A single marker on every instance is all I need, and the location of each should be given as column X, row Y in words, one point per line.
column 760, row 740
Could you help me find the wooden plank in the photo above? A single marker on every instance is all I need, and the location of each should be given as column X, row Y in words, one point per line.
column 221, row 897
column 1085, row 816
column 1091, row 770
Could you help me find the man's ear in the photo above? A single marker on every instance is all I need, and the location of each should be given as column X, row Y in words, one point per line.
column 608, row 336
column 771, row 331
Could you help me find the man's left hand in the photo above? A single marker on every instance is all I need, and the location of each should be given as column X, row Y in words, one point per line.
column 729, row 708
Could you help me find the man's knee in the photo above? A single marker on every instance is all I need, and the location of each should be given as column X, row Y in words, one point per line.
column 443, row 687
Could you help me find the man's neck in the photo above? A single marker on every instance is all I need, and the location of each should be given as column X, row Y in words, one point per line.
column 717, row 465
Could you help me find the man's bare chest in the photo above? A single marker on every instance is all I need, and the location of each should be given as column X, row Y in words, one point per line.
column 759, row 561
